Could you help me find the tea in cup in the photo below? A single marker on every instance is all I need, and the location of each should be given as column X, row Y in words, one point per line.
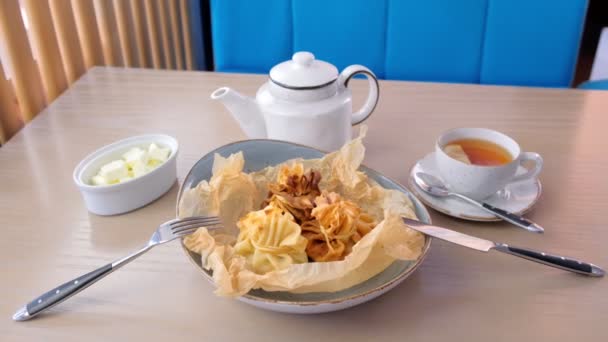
column 478, row 162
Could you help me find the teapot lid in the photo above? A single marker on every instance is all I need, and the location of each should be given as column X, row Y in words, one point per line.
column 303, row 72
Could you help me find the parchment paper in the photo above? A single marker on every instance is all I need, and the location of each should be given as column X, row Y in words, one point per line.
column 231, row 194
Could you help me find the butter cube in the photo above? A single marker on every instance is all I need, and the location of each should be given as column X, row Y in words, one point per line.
column 134, row 163
column 157, row 153
column 114, row 171
column 153, row 163
column 135, row 155
column 98, row 180
column 139, row 168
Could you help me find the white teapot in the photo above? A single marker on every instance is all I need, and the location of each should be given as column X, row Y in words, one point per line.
column 305, row 101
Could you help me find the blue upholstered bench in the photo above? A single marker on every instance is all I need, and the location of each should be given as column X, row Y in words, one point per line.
column 595, row 85
column 516, row 42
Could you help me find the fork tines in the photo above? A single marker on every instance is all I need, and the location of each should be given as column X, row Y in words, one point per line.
column 189, row 224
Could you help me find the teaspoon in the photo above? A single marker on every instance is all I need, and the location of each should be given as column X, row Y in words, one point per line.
column 434, row 186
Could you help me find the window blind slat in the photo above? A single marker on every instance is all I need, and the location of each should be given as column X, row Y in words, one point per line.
column 106, row 24
column 125, row 33
column 140, row 33
column 67, row 37
column 88, row 33
column 176, row 35
column 10, row 115
column 20, row 61
column 153, row 33
column 183, row 8
column 46, row 48
column 165, row 33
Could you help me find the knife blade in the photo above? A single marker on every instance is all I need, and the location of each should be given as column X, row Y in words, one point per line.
column 450, row 235
column 557, row 261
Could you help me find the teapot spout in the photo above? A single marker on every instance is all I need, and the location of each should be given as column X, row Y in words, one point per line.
column 244, row 109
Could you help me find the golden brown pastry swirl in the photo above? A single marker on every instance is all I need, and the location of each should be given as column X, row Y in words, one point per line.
column 295, row 191
column 336, row 226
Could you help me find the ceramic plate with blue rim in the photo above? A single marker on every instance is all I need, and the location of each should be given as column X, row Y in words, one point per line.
column 262, row 153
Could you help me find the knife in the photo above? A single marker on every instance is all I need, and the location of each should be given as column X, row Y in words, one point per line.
column 476, row 243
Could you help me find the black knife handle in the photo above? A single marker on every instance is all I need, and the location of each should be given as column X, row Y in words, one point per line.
column 557, row 261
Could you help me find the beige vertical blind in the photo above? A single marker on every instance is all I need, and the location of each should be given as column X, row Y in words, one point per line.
column 165, row 32
column 69, row 45
column 139, row 24
column 87, row 32
column 46, row 45
column 183, row 7
column 176, row 35
column 153, row 33
column 8, row 104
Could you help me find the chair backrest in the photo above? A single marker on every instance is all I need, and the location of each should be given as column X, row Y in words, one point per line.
column 514, row 42
column 46, row 45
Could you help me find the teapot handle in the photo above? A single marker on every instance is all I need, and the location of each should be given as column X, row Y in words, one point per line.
column 372, row 96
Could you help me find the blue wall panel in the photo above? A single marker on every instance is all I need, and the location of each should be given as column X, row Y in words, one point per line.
column 342, row 32
column 250, row 36
column 532, row 42
column 515, row 42
column 435, row 40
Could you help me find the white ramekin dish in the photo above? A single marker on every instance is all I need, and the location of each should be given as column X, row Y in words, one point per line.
column 135, row 193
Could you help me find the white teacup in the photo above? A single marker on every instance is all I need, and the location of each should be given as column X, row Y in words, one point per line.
column 478, row 181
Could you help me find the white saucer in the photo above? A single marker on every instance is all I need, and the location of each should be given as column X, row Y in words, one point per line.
column 515, row 197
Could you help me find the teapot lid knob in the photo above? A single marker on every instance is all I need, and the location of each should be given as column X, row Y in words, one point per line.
column 303, row 58
column 303, row 71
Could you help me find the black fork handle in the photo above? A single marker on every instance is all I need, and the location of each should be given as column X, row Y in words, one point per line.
column 72, row 287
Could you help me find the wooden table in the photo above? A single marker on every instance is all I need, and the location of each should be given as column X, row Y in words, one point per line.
column 458, row 294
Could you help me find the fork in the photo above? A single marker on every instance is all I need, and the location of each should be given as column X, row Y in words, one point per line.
column 166, row 232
